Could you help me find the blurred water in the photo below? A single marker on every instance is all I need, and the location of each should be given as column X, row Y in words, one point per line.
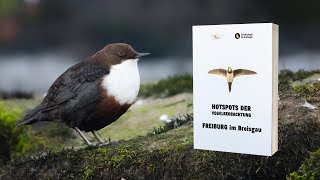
column 37, row 72
column 306, row 61
column 31, row 72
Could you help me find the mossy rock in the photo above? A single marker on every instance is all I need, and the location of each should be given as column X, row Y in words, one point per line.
column 311, row 92
column 170, row 155
column 310, row 169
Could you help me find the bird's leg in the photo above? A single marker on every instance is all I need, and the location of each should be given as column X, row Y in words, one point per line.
column 101, row 141
column 83, row 136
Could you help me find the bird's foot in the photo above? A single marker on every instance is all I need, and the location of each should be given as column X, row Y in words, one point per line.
column 101, row 144
column 104, row 144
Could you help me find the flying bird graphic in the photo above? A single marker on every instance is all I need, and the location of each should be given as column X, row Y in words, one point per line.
column 231, row 74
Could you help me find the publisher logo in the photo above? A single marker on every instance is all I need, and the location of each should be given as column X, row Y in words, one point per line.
column 237, row 35
column 243, row 35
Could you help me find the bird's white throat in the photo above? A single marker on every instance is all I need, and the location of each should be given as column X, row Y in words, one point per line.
column 123, row 81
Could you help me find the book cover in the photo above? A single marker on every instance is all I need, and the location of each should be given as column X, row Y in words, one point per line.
column 235, row 76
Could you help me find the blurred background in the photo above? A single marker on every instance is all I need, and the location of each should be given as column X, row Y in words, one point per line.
column 40, row 39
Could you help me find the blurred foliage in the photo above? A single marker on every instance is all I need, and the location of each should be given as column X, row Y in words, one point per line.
column 309, row 91
column 13, row 139
column 175, row 123
column 110, row 21
column 8, row 8
column 27, row 140
column 310, row 169
column 16, row 95
column 50, row 137
column 285, row 85
column 287, row 75
column 167, row 87
column 301, row 74
column 52, row 130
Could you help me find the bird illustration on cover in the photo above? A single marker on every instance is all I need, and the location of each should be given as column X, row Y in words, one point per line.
column 231, row 74
column 93, row 93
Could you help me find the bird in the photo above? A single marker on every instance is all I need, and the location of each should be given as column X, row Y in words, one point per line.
column 92, row 94
column 216, row 35
column 231, row 74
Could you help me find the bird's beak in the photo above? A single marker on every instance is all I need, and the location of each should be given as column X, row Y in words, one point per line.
column 139, row 55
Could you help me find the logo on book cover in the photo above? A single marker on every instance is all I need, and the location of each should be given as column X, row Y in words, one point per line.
column 237, row 35
column 243, row 35
column 231, row 74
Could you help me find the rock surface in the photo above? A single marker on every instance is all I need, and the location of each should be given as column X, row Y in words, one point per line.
column 171, row 155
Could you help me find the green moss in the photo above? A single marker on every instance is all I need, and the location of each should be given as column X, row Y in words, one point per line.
column 310, row 169
column 285, row 85
column 26, row 139
column 311, row 92
column 12, row 138
column 167, row 87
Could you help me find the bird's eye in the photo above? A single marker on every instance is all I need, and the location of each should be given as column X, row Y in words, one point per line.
column 122, row 54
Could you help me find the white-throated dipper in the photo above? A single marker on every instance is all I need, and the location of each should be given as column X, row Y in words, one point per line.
column 93, row 93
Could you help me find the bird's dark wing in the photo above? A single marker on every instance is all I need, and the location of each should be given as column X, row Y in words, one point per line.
column 221, row 72
column 73, row 81
column 240, row 72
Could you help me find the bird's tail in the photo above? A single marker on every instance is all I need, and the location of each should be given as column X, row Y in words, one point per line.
column 26, row 121
column 229, row 85
column 31, row 117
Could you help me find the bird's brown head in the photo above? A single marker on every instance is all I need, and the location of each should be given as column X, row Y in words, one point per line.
column 119, row 52
column 229, row 69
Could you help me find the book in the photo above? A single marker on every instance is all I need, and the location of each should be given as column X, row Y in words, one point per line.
column 235, row 88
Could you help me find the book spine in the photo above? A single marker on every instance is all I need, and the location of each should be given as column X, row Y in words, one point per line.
column 275, row 57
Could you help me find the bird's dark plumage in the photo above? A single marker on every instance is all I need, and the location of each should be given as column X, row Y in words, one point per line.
column 72, row 82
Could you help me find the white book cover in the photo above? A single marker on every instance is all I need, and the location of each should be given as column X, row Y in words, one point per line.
column 235, row 88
